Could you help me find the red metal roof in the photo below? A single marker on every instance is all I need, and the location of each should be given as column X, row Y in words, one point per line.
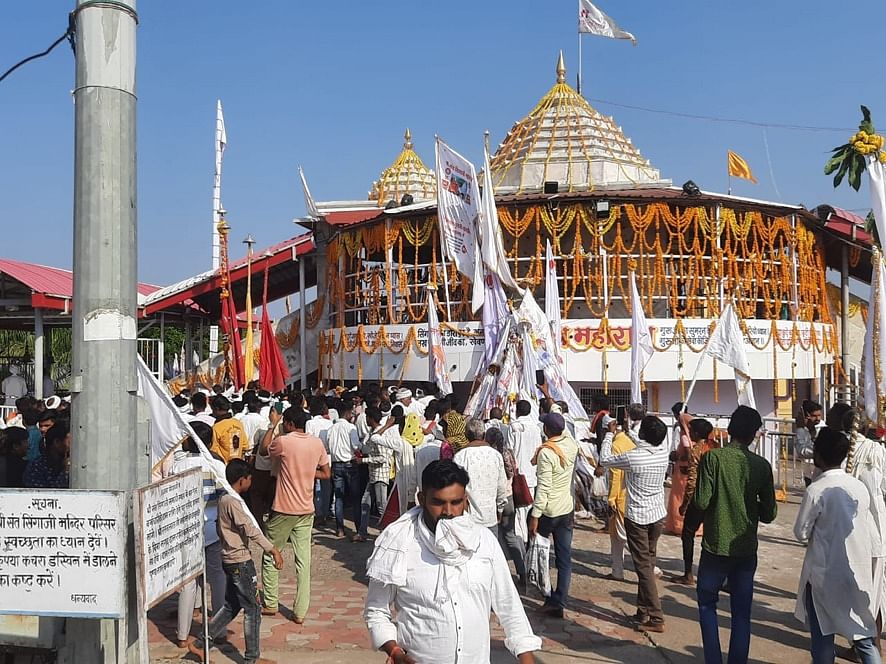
column 348, row 217
column 202, row 289
column 50, row 286
column 846, row 223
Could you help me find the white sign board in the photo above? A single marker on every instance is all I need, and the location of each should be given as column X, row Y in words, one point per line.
column 169, row 534
column 62, row 552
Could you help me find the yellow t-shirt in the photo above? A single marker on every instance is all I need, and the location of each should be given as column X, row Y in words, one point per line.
column 229, row 439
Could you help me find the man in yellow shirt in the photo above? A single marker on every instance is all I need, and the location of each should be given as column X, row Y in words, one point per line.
column 229, row 439
column 623, row 442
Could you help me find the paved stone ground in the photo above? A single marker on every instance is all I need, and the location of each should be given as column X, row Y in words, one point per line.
column 596, row 627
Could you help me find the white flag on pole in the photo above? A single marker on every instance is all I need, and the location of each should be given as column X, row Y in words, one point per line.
column 594, row 22
column 877, row 181
column 495, row 315
column 873, row 355
column 458, row 209
column 552, row 299
column 310, row 205
column 169, row 428
column 437, row 372
column 727, row 345
column 221, row 137
column 491, row 244
column 641, row 342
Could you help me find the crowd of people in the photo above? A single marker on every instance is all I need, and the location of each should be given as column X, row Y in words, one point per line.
column 462, row 506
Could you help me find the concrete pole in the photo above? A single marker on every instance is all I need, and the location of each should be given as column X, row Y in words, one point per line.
column 104, row 450
column 302, row 323
column 38, row 353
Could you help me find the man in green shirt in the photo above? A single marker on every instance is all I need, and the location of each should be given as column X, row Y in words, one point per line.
column 736, row 492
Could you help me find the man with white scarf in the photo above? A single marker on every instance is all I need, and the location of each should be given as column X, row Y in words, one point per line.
column 443, row 574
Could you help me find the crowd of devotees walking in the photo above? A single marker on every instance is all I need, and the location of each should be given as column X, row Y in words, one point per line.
column 468, row 516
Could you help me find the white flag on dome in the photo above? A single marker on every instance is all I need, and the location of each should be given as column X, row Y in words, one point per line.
column 491, row 244
column 592, row 21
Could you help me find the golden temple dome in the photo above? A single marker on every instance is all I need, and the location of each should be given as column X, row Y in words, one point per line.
column 563, row 139
column 407, row 175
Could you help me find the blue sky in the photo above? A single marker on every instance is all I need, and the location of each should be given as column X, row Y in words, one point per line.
column 333, row 85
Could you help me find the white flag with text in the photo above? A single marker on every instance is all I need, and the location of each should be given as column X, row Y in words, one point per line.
column 594, row 22
column 458, row 208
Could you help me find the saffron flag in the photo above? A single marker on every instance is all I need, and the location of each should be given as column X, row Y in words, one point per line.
column 552, row 299
column 458, row 209
column 738, row 167
column 641, row 342
column 436, row 357
column 727, row 345
column 272, row 371
column 592, row 21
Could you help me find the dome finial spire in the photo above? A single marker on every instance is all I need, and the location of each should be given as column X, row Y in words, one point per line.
column 561, row 69
column 407, row 139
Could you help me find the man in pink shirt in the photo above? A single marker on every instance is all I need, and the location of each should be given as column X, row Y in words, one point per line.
column 302, row 459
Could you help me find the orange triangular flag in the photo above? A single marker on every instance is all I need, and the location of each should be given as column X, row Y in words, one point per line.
column 738, row 167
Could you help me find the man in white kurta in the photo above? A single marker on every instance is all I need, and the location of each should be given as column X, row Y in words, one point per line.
column 525, row 438
column 835, row 591
column 443, row 574
column 867, row 463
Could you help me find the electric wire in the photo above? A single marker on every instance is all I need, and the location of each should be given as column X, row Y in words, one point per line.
column 69, row 35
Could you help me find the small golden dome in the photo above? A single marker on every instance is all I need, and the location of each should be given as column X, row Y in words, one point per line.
column 407, row 175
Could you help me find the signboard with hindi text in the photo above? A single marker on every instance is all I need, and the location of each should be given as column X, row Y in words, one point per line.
column 168, row 534
column 62, row 552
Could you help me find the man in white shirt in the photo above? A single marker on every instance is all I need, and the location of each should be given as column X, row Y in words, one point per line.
column 198, row 409
column 835, row 592
column 410, row 405
column 525, row 439
column 343, row 443
column 318, row 426
column 645, row 467
column 443, row 574
column 488, row 489
column 253, row 421
column 14, row 386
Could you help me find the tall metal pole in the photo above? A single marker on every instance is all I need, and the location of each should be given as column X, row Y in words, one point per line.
column 302, row 324
column 38, row 353
column 221, row 141
column 104, row 449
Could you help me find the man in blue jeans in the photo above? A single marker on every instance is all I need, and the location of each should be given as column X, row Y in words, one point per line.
column 735, row 491
column 554, row 505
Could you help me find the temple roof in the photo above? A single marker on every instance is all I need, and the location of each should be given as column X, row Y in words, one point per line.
column 563, row 139
column 407, row 175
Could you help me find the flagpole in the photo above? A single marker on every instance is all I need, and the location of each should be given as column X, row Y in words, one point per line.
column 220, row 140
column 578, row 75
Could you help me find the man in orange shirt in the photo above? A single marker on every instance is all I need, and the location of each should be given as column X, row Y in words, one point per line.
column 624, row 441
column 302, row 460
